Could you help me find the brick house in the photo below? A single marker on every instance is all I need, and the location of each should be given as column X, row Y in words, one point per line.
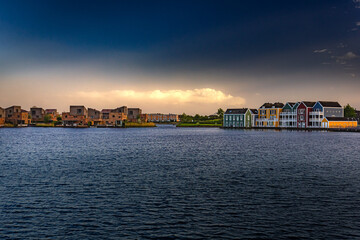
column 17, row 116
column 37, row 114
column 2, row 117
column 159, row 117
column 53, row 113
column 94, row 116
column 78, row 116
column 116, row 119
column 134, row 114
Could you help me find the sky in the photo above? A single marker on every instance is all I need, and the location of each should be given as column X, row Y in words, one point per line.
column 178, row 56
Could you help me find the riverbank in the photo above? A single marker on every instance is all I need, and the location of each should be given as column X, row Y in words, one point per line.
column 197, row 125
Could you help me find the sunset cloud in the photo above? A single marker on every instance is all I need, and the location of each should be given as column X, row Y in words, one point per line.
column 176, row 96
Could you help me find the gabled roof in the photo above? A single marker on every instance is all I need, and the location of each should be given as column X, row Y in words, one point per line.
column 292, row 104
column 13, row 107
column 338, row 119
column 267, row 105
column 254, row 111
column 329, row 104
column 278, row 105
column 236, row 111
column 309, row 104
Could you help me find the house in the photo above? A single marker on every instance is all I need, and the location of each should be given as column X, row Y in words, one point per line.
column 104, row 114
column 78, row 116
column 324, row 109
column 94, row 117
column 269, row 114
column 339, row 122
column 234, row 117
column 303, row 114
column 288, row 115
column 116, row 119
column 357, row 116
column 17, row 116
column 133, row 114
column 254, row 116
column 144, row 117
column 2, row 117
column 123, row 109
column 52, row 113
column 159, row 117
column 37, row 114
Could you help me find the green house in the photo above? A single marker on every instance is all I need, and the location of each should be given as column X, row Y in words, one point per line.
column 237, row 118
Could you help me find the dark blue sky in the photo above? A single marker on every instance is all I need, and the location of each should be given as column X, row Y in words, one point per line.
column 265, row 41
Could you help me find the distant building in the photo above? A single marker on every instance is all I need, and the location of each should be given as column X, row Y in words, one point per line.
column 94, row 117
column 324, row 109
column 235, row 117
column 254, row 116
column 123, row 109
column 269, row 115
column 144, row 117
column 53, row 113
column 116, row 119
column 17, row 116
column 134, row 114
column 159, row 117
column 288, row 115
column 105, row 114
column 303, row 114
column 2, row 117
column 37, row 114
column 339, row 122
column 357, row 115
column 78, row 116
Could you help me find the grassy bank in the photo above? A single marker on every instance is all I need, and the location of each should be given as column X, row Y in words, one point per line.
column 134, row 125
column 44, row 125
column 198, row 125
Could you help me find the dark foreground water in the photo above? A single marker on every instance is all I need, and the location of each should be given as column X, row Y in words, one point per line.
column 178, row 183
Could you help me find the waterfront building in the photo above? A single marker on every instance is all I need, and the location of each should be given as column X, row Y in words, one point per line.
column 324, row 109
column 105, row 114
column 116, row 119
column 53, row 113
column 254, row 116
column 357, row 116
column 339, row 122
column 234, row 117
column 248, row 119
column 2, row 117
column 94, row 117
column 17, row 116
column 123, row 109
column 159, row 117
column 144, row 117
column 303, row 114
column 78, row 116
column 288, row 115
column 133, row 114
column 269, row 114
column 37, row 114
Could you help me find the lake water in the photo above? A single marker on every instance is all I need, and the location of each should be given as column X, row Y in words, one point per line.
column 178, row 183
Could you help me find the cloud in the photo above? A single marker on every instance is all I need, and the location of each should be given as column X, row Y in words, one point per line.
column 343, row 59
column 357, row 3
column 321, row 51
column 358, row 24
column 192, row 96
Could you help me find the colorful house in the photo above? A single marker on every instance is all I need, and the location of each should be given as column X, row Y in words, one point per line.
column 339, row 122
column 303, row 114
column 269, row 115
column 288, row 115
column 77, row 117
column 254, row 116
column 235, row 117
column 324, row 109
column 37, row 114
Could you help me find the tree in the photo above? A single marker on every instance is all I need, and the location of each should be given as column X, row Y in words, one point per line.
column 220, row 113
column 59, row 118
column 349, row 111
column 47, row 118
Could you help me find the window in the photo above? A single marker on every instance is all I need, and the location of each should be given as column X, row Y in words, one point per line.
column 272, row 112
column 78, row 111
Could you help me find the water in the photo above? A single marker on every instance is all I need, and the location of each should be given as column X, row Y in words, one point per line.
column 178, row 183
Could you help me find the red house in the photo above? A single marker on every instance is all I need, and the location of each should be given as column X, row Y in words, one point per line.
column 303, row 114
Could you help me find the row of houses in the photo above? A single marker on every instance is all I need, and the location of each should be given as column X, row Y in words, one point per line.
column 305, row 114
column 81, row 116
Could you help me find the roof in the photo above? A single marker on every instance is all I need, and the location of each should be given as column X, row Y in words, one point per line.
column 236, row 111
column 338, row 119
column 254, row 111
column 292, row 104
column 266, row 105
column 34, row 107
column 273, row 105
column 309, row 104
column 329, row 104
column 106, row 111
column 13, row 107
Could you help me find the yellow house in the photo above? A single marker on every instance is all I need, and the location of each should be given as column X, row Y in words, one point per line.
column 339, row 122
column 269, row 115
